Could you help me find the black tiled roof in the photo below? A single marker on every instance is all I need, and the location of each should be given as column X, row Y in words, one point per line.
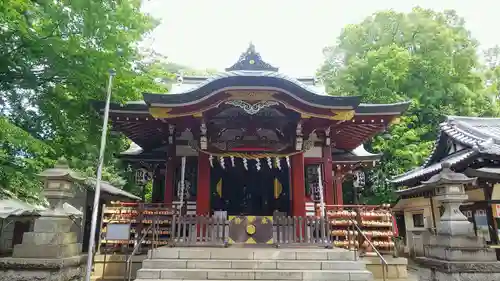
column 253, row 79
column 477, row 135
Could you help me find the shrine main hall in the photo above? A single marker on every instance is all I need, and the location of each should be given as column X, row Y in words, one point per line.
column 250, row 140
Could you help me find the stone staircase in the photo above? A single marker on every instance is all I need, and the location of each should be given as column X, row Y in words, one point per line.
column 172, row 264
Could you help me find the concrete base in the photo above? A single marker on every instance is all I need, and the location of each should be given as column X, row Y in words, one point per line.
column 23, row 269
column 46, row 251
column 459, row 257
column 458, row 248
column 439, row 270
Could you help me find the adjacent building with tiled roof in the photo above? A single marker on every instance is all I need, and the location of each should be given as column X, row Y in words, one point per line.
column 462, row 141
column 468, row 145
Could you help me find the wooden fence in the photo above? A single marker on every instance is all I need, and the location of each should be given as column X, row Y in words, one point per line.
column 312, row 231
column 198, row 231
column 214, row 231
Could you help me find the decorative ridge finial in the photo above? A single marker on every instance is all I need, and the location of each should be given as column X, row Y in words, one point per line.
column 251, row 47
column 251, row 60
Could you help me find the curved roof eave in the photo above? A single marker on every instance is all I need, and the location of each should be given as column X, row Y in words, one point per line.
column 132, row 106
column 389, row 109
column 252, row 79
column 454, row 159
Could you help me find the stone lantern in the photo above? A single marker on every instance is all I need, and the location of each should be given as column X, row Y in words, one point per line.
column 52, row 236
column 450, row 191
column 51, row 251
column 59, row 187
column 455, row 253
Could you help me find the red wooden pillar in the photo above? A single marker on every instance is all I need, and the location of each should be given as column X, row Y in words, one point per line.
column 168, row 195
column 298, row 185
column 203, row 191
column 327, row 172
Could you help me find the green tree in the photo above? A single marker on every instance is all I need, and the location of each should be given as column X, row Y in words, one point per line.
column 54, row 58
column 426, row 57
column 491, row 71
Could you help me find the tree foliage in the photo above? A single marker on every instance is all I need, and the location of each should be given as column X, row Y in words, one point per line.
column 428, row 58
column 54, row 58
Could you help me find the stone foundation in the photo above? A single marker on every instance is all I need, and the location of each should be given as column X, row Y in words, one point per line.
column 22, row 269
column 427, row 274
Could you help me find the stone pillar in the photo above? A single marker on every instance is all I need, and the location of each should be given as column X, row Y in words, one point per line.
column 51, row 251
column 455, row 253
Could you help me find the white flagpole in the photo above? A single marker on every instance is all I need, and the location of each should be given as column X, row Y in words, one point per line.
column 321, row 197
column 97, row 191
column 182, row 186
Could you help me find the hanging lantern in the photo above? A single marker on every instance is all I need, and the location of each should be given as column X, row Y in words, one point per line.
column 142, row 176
column 359, row 178
column 298, row 143
column 288, row 161
column 257, row 164
column 328, row 141
column 298, row 137
column 211, row 160
column 203, row 137
column 278, row 163
column 171, row 131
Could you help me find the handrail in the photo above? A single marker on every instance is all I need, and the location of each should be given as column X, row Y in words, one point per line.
column 134, row 251
column 382, row 259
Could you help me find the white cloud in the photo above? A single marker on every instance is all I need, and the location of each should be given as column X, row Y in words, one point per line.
column 289, row 34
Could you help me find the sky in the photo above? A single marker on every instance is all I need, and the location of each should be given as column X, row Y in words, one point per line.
column 289, row 34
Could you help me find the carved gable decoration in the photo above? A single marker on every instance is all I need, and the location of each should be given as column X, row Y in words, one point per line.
column 251, row 60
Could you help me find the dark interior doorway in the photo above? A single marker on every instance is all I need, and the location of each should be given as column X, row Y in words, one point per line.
column 20, row 227
column 248, row 191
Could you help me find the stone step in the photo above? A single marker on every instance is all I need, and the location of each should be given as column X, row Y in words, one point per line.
column 252, row 264
column 252, row 254
column 253, row 274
